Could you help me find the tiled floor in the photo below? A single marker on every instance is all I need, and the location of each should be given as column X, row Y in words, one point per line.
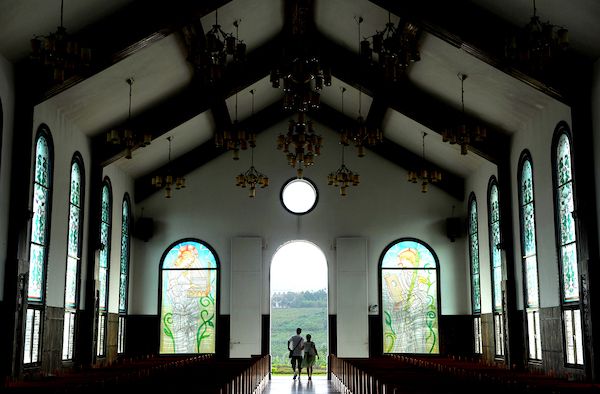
column 285, row 384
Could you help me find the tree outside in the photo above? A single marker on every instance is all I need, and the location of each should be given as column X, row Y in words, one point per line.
column 290, row 310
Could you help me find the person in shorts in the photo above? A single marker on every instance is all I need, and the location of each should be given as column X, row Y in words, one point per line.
column 295, row 346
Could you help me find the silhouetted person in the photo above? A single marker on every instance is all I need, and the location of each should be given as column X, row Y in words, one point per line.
column 310, row 355
column 295, row 345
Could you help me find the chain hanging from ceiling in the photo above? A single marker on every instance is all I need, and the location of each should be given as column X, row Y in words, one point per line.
column 169, row 180
column 465, row 132
column 302, row 77
column 538, row 44
column 343, row 177
column 424, row 174
column 221, row 46
column 60, row 54
column 361, row 134
column 396, row 48
column 124, row 136
column 252, row 178
column 236, row 138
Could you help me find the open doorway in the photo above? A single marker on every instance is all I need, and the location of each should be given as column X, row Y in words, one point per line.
column 298, row 299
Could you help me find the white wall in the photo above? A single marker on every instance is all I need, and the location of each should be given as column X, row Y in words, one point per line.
column 477, row 183
column 121, row 183
column 596, row 133
column 67, row 140
column 383, row 208
column 536, row 136
column 7, row 97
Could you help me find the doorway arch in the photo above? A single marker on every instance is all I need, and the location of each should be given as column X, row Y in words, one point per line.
column 298, row 298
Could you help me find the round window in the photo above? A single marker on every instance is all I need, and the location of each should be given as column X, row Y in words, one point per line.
column 299, row 196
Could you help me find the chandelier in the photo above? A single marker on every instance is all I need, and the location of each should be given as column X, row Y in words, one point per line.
column 236, row 138
column 360, row 134
column 537, row 43
column 395, row 47
column 301, row 144
column 300, row 74
column 251, row 178
column 169, row 180
column 424, row 175
column 465, row 132
column 302, row 79
column 125, row 136
column 343, row 177
column 220, row 46
column 59, row 53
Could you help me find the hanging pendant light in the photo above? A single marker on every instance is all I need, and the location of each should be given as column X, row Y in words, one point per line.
column 236, row 138
column 361, row 134
column 169, row 180
column 465, row 132
column 424, row 174
column 396, row 48
column 60, row 54
column 124, row 135
column 252, row 177
column 220, row 46
column 343, row 177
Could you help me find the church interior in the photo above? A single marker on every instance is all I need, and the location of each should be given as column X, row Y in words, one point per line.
column 155, row 156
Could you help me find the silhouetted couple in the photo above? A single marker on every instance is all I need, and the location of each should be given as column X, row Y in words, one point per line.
column 299, row 347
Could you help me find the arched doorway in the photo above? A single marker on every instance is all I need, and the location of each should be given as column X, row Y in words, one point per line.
column 299, row 284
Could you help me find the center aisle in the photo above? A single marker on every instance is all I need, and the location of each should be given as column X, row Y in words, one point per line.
column 285, row 384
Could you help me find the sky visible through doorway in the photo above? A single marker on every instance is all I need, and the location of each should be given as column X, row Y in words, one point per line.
column 298, row 266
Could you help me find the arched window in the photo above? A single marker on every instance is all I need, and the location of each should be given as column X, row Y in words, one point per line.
column 529, row 256
column 124, row 271
column 1, row 131
column 475, row 278
column 496, row 265
column 189, row 274
column 38, row 246
column 564, row 208
column 409, row 297
column 104, row 266
column 75, row 230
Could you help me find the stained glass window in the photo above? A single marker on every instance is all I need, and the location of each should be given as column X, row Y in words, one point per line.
column 38, row 247
column 104, row 265
column 123, row 272
column 474, row 255
column 567, row 243
column 496, row 263
column 529, row 257
column 124, row 266
column 73, row 257
column 40, row 225
column 567, row 239
column 409, row 294
column 188, row 295
column 475, row 281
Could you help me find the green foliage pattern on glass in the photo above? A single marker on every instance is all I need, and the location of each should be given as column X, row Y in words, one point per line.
column 474, row 255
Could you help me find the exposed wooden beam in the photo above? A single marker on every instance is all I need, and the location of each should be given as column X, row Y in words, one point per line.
column 131, row 29
column 206, row 152
column 157, row 121
column 450, row 183
column 407, row 99
column 195, row 99
column 483, row 35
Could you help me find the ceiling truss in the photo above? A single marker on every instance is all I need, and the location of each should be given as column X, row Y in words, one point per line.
column 143, row 23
